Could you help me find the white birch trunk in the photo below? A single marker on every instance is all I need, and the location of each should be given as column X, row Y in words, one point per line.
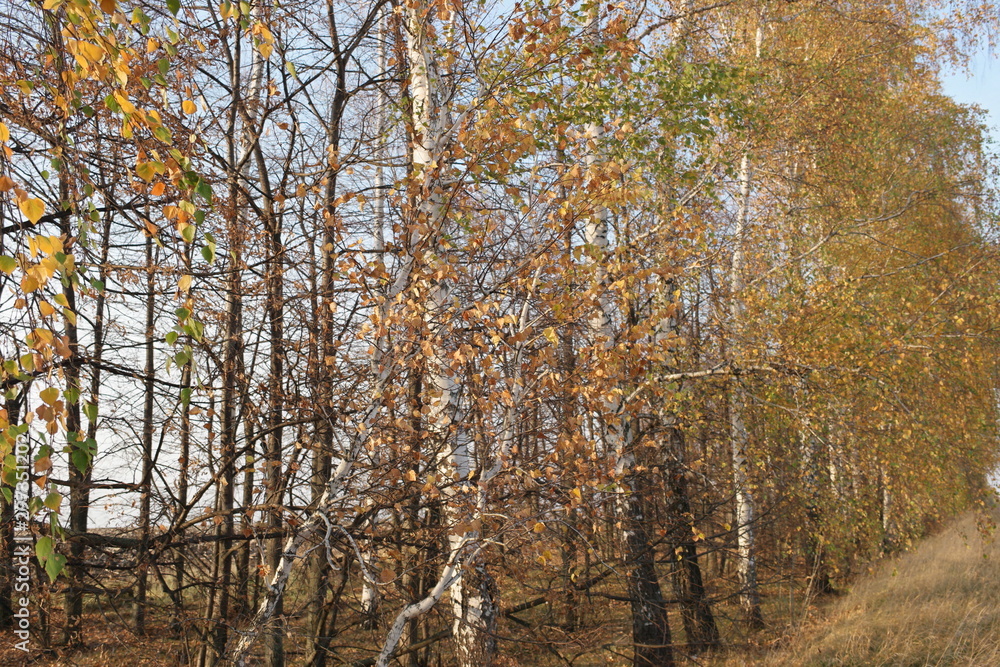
column 739, row 438
column 474, row 612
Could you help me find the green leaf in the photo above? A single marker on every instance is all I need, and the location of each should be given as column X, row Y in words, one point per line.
column 182, row 313
column 163, row 65
column 208, row 253
column 171, row 337
column 43, row 548
column 7, row 264
column 188, row 233
column 81, row 460
column 54, row 565
column 173, row 6
column 205, row 190
column 163, row 134
column 90, row 410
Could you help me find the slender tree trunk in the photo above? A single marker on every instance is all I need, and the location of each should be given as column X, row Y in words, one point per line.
column 696, row 612
column 145, row 482
column 275, row 487
column 243, row 574
column 79, row 470
column 184, row 461
column 650, row 624
column 819, row 575
column 739, row 437
column 80, row 465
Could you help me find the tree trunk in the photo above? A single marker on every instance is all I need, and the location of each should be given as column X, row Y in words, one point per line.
column 696, row 612
column 650, row 625
column 739, row 438
column 146, row 481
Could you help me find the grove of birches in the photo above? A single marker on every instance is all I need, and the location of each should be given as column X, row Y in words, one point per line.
column 422, row 332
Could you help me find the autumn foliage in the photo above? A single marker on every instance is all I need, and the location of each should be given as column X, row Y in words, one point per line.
column 438, row 333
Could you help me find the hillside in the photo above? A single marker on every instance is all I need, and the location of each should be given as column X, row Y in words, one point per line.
column 938, row 604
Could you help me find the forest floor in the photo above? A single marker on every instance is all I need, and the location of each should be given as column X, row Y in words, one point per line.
column 937, row 604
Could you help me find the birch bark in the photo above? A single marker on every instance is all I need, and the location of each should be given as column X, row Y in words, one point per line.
column 739, row 438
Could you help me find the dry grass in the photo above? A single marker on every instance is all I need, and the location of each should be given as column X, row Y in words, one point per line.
column 937, row 605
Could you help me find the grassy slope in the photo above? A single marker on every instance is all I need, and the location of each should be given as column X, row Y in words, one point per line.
column 937, row 605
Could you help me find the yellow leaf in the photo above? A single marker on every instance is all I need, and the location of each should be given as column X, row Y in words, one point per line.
column 91, row 52
column 108, row 6
column 6, row 183
column 4, row 132
column 124, row 103
column 43, row 336
column 44, row 244
column 158, row 189
column 151, row 45
column 539, row 527
column 29, row 284
column 52, row 501
column 32, row 208
column 184, row 284
column 46, row 308
column 265, row 50
column 188, row 106
column 49, row 396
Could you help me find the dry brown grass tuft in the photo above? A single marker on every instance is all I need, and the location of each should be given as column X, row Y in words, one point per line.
column 937, row 605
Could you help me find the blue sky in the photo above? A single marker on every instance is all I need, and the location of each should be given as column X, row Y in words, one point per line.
column 981, row 86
